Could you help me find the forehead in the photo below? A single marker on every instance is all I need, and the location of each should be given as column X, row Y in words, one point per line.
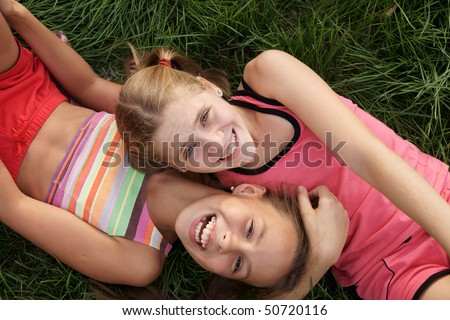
column 177, row 125
column 178, row 118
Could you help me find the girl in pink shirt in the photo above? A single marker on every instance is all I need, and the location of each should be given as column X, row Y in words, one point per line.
column 286, row 125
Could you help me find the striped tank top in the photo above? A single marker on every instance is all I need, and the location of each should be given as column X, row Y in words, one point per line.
column 96, row 183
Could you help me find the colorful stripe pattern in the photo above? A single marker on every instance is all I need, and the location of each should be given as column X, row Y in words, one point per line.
column 96, row 183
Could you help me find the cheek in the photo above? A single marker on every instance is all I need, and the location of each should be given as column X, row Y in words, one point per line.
column 202, row 162
column 228, row 116
column 222, row 113
column 198, row 159
column 217, row 265
column 195, row 163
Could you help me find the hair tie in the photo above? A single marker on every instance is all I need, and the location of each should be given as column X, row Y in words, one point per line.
column 165, row 62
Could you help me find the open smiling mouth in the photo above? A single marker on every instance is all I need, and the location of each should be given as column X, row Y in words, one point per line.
column 232, row 147
column 204, row 229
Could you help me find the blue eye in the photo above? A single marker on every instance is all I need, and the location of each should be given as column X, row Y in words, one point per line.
column 204, row 118
column 189, row 151
column 238, row 264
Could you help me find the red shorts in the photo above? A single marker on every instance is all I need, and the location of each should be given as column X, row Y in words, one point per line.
column 27, row 98
column 409, row 270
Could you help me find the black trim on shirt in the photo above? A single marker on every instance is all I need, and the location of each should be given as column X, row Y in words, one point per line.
column 430, row 280
column 297, row 130
column 390, row 280
column 251, row 93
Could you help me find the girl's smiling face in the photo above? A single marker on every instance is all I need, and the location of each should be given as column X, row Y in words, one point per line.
column 203, row 133
column 239, row 236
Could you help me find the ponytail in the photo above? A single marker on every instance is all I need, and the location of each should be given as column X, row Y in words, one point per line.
column 169, row 58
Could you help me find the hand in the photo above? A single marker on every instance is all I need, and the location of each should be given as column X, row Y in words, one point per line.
column 10, row 8
column 326, row 226
column 6, row 6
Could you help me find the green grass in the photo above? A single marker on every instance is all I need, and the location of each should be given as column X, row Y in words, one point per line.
column 390, row 57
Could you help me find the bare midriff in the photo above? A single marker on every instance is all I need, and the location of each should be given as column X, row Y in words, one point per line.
column 49, row 148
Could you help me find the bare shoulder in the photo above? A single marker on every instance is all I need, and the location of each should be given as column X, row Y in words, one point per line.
column 265, row 61
column 267, row 67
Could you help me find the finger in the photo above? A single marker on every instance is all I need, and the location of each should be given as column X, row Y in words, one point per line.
column 319, row 192
column 317, row 196
column 304, row 202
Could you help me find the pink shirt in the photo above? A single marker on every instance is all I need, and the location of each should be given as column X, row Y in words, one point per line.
column 377, row 227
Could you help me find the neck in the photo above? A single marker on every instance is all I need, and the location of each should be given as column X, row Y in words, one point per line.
column 269, row 132
column 250, row 119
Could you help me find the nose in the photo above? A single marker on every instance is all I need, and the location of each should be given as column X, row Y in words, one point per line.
column 227, row 242
column 211, row 133
column 213, row 143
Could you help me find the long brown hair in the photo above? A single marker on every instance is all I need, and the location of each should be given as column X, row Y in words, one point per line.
column 147, row 92
column 287, row 204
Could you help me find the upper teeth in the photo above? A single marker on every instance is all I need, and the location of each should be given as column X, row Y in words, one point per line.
column 202, row 236
column 231, row 146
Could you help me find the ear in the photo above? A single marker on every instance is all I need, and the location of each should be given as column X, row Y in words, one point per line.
column 210, row 86
column 247, row 189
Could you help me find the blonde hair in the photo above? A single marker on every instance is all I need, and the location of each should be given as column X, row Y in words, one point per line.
column 147, row 92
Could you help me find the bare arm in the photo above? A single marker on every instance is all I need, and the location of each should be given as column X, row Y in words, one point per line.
column 161, row 189
column 76, row 243
column 327, row 228
column 9, row 51
column 305, row 93
column 68, row 68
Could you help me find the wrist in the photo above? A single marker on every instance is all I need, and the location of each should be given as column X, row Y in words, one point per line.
column 13, row 11
column 321, row 261
column 327, row 259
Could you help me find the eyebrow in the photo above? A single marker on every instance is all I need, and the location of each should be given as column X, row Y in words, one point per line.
column 199, row 115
